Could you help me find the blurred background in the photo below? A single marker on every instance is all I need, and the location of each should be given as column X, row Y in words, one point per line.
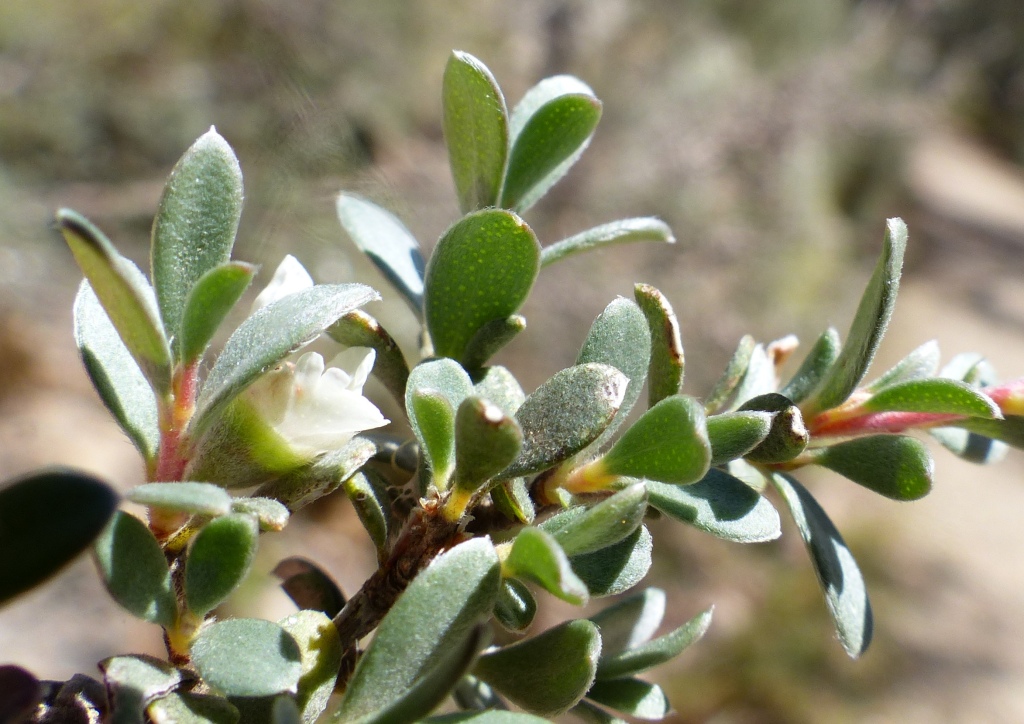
column 774, row 137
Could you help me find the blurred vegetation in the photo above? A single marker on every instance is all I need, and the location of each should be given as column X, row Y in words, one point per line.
column 770, row 135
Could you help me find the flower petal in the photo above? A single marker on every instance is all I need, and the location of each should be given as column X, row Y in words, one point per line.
column 290, row 277
column 356, row 363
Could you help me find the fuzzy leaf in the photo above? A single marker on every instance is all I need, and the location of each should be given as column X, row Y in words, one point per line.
column 114, row 372
column 125, row 295
column 486, row 717
column 665, row 373
column 634, row 697
column 269, row 513
column 359, row 329
column 970, row 446
column 623, row 231
column 733, row 434
column 192, row 709
column 618, row 567
column 323, row 477
column 731, row 376
column 474, row 695
column 758, row 380
column 1009, row 430
column 434, row 423
column 550, row 128
column 218, row 560
column 787, row 435
column 134, row 570
column 320, row 654
column 565, row 414
column 490, row 338
column 475, row 131
column 247, row 657
column 654, row 653
column 482, row 269
column 309, row 587
column 196, row 498
column 486, row 441
column 133, row 682
column 582, row 530
column 922, row 362
column 536, row 556
column 896, row 466
column 818, row 361
column 869, row 324
column 932, row 394
column 516, row 607
column 837, row 571
column 497, row 385
column 371, row 503
column 389, row 245
column 721, row 505
column 548, row 673
column 512, row 498
column 630, row 622
column 207, row 305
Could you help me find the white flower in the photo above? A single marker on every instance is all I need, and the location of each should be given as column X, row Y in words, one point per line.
column 290, row 277
column 316, row 409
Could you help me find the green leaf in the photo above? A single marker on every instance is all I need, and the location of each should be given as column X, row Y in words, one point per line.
column 512, row 498
column 490, row 338
column 284, row 710
column 309, row 587
column 654, row 653
column 869, row 324
column 496, row 384
column 486, row 441
column 593, row 714
column 665, row 373
column 617, row 568
column 582, row 530
column 759, row 379
column 721, row 505
column 359, row 329
column 548, row 673
column 320, row 654
column 443, row 605
column 896, row 466
column 550, row 128
column 207, row 305
column 623, row 231
column 630, row 622
column 565, row 414
column 970, row 446
column 1009, row 430
column 389, row 245
column 472, row 694
column 837, row 571
column 482, row 269
column 134, row 570
column 125, row 295
column 731, row 376
column 486, row 717
column 669, row 443
column 634, row 697
column 932, row 394
column 621, row 339
column 475, row 131
column 47, row 519
column 733, row 434
column 196, row 498
column 787, row 436
column 434, row 423
column 218, row 560
column 268, row 336
column 818, row 361
column 300, row 488
column 371, row 504
column 133, row 682
column 247, row 657
column 536, row 556
column 192, row 709
column 196, row 222
column 269, row 513
column 922, row 362
column 114, row 372
column 516, row 607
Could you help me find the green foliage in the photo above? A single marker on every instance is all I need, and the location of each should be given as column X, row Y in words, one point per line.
column 248, row 657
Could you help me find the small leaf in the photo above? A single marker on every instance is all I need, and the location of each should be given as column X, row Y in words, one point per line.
column 922, row 362
column 734, row 434
column 490, row 338
column 214, row 295
column 473, row 694
column 475, row 131
column 371, row 503
column 486, row 441
column 817, row 362
column 623, row 231
column 516, row 607
column 268, row 336
column 837, row 571
column 219, row 559
column 47, row 519
column 323, row 477
column 630, row 622
column 669, row 443
column 389, row 245
column 634, row 697
column 497, row 385
column 548, row 673
column 731, row 376
column 582, row 530
column 247, row 657
column 134, row 570
column 512, row 498
column 617, row 568
column 896, row 466
column 359, row 329
column 665, row 373
column 787, row 435
column 486, row 717
column 135, row 681
column 196, row 498
column 721, row 505
column 970, row 446
column 443, row 605
column 550, row 128
column 536, row 556
column 868, row 327
column 621, row 339
column 114, row 372
column 192, row 709
column 269, row 513
column 482, row 269
column 593, row 714
column 759, row 379
column 434, row 424
column 309, row 587
column 565, row 414
column 932, row 394
column 125, row 295
column 1009, row 430
column 196, row 222
column 321, row 655
column 654, row 653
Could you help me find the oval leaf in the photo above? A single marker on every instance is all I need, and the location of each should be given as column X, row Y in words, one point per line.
column 665, row 373
column 192, row 709
column 634, row 697
column 247, row 657
column 630, row 622
column 434, row 424
column 922, row 362
column 269, row 513
column 134, row 681
column 536, row 556
column 618, row 567
column 486, row 441
column 321, row 654
column 582, row 530
column 896, row 466
column 731, row 376
column 197, row 498
column 309, row 587
column 499, row 386
column 218, row 560
column 656, row 652
column 734, row 434
column 207, row 305
column 818, row 361
column 623, row 231
column 134, row 570
column 932, row 394
column 490, row 338
column 516, row 607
